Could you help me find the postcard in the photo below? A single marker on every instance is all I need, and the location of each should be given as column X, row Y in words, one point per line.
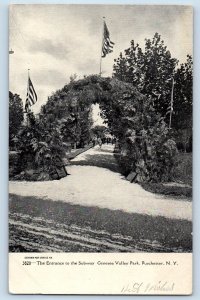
column 100, row 149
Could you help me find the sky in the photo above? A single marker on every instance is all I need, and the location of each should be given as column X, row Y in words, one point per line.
column 57, row 41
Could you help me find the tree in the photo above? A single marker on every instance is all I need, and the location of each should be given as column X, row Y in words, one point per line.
column 16, row 116
column 182, row 105
column 150, row 71
column 183, row 95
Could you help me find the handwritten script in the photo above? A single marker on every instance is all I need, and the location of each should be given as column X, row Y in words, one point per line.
column 162, row 287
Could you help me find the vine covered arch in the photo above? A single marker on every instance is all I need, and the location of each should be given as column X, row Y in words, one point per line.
column 144, row 144
column 143, row 137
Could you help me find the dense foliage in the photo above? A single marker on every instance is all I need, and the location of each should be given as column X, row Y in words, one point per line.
column 151, row 71
column 182, row 117
column 99, row 131
column 16, row 117
column 41, row 149
column 144, row 144
column 71, row 109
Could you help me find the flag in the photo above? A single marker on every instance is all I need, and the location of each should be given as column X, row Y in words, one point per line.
column 107, row 44
column 31, row 97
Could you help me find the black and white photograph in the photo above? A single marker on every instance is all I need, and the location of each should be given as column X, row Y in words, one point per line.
column 100, row 128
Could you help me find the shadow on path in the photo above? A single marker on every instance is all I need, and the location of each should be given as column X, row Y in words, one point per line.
column 98, row 160
column 102, row 158
column 43, row 225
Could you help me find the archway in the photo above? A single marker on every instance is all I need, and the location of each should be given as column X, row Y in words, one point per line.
column 145, row 147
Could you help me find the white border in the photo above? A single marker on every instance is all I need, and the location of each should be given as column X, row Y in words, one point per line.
column 4, row 138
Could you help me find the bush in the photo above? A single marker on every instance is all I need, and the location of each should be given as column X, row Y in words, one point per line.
column 41, row 151
column 182, row 170
column 145, row 145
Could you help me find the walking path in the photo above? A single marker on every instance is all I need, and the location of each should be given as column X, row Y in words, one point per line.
column 95, row 182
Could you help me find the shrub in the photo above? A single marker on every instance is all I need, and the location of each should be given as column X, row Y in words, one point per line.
column 41, row 150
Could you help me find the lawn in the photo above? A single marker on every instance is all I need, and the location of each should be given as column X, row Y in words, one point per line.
column 182, row 171
column 42, row 225
column 181, row 183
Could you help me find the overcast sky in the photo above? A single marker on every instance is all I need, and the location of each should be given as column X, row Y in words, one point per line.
column 56, row 41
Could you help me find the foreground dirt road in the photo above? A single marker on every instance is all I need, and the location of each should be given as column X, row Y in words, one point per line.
column 96, row 209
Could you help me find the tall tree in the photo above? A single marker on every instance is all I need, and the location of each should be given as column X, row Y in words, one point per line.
column 150, row 71
column 183, row 95
column 182, row 106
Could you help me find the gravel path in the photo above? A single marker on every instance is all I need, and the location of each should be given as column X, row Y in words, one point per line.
column 95, row 182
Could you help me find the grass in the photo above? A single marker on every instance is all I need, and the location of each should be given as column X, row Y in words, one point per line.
column 173, row 235
column 168, row 190
column 181, row 183
column 182, row 171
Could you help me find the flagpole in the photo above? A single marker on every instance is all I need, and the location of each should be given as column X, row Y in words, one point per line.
column 101, row 47
column 27, row 114
column 28, row 86
column 171, row 107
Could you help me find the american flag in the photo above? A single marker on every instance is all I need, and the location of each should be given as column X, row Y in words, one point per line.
column 31, row 97
column 107, row 45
